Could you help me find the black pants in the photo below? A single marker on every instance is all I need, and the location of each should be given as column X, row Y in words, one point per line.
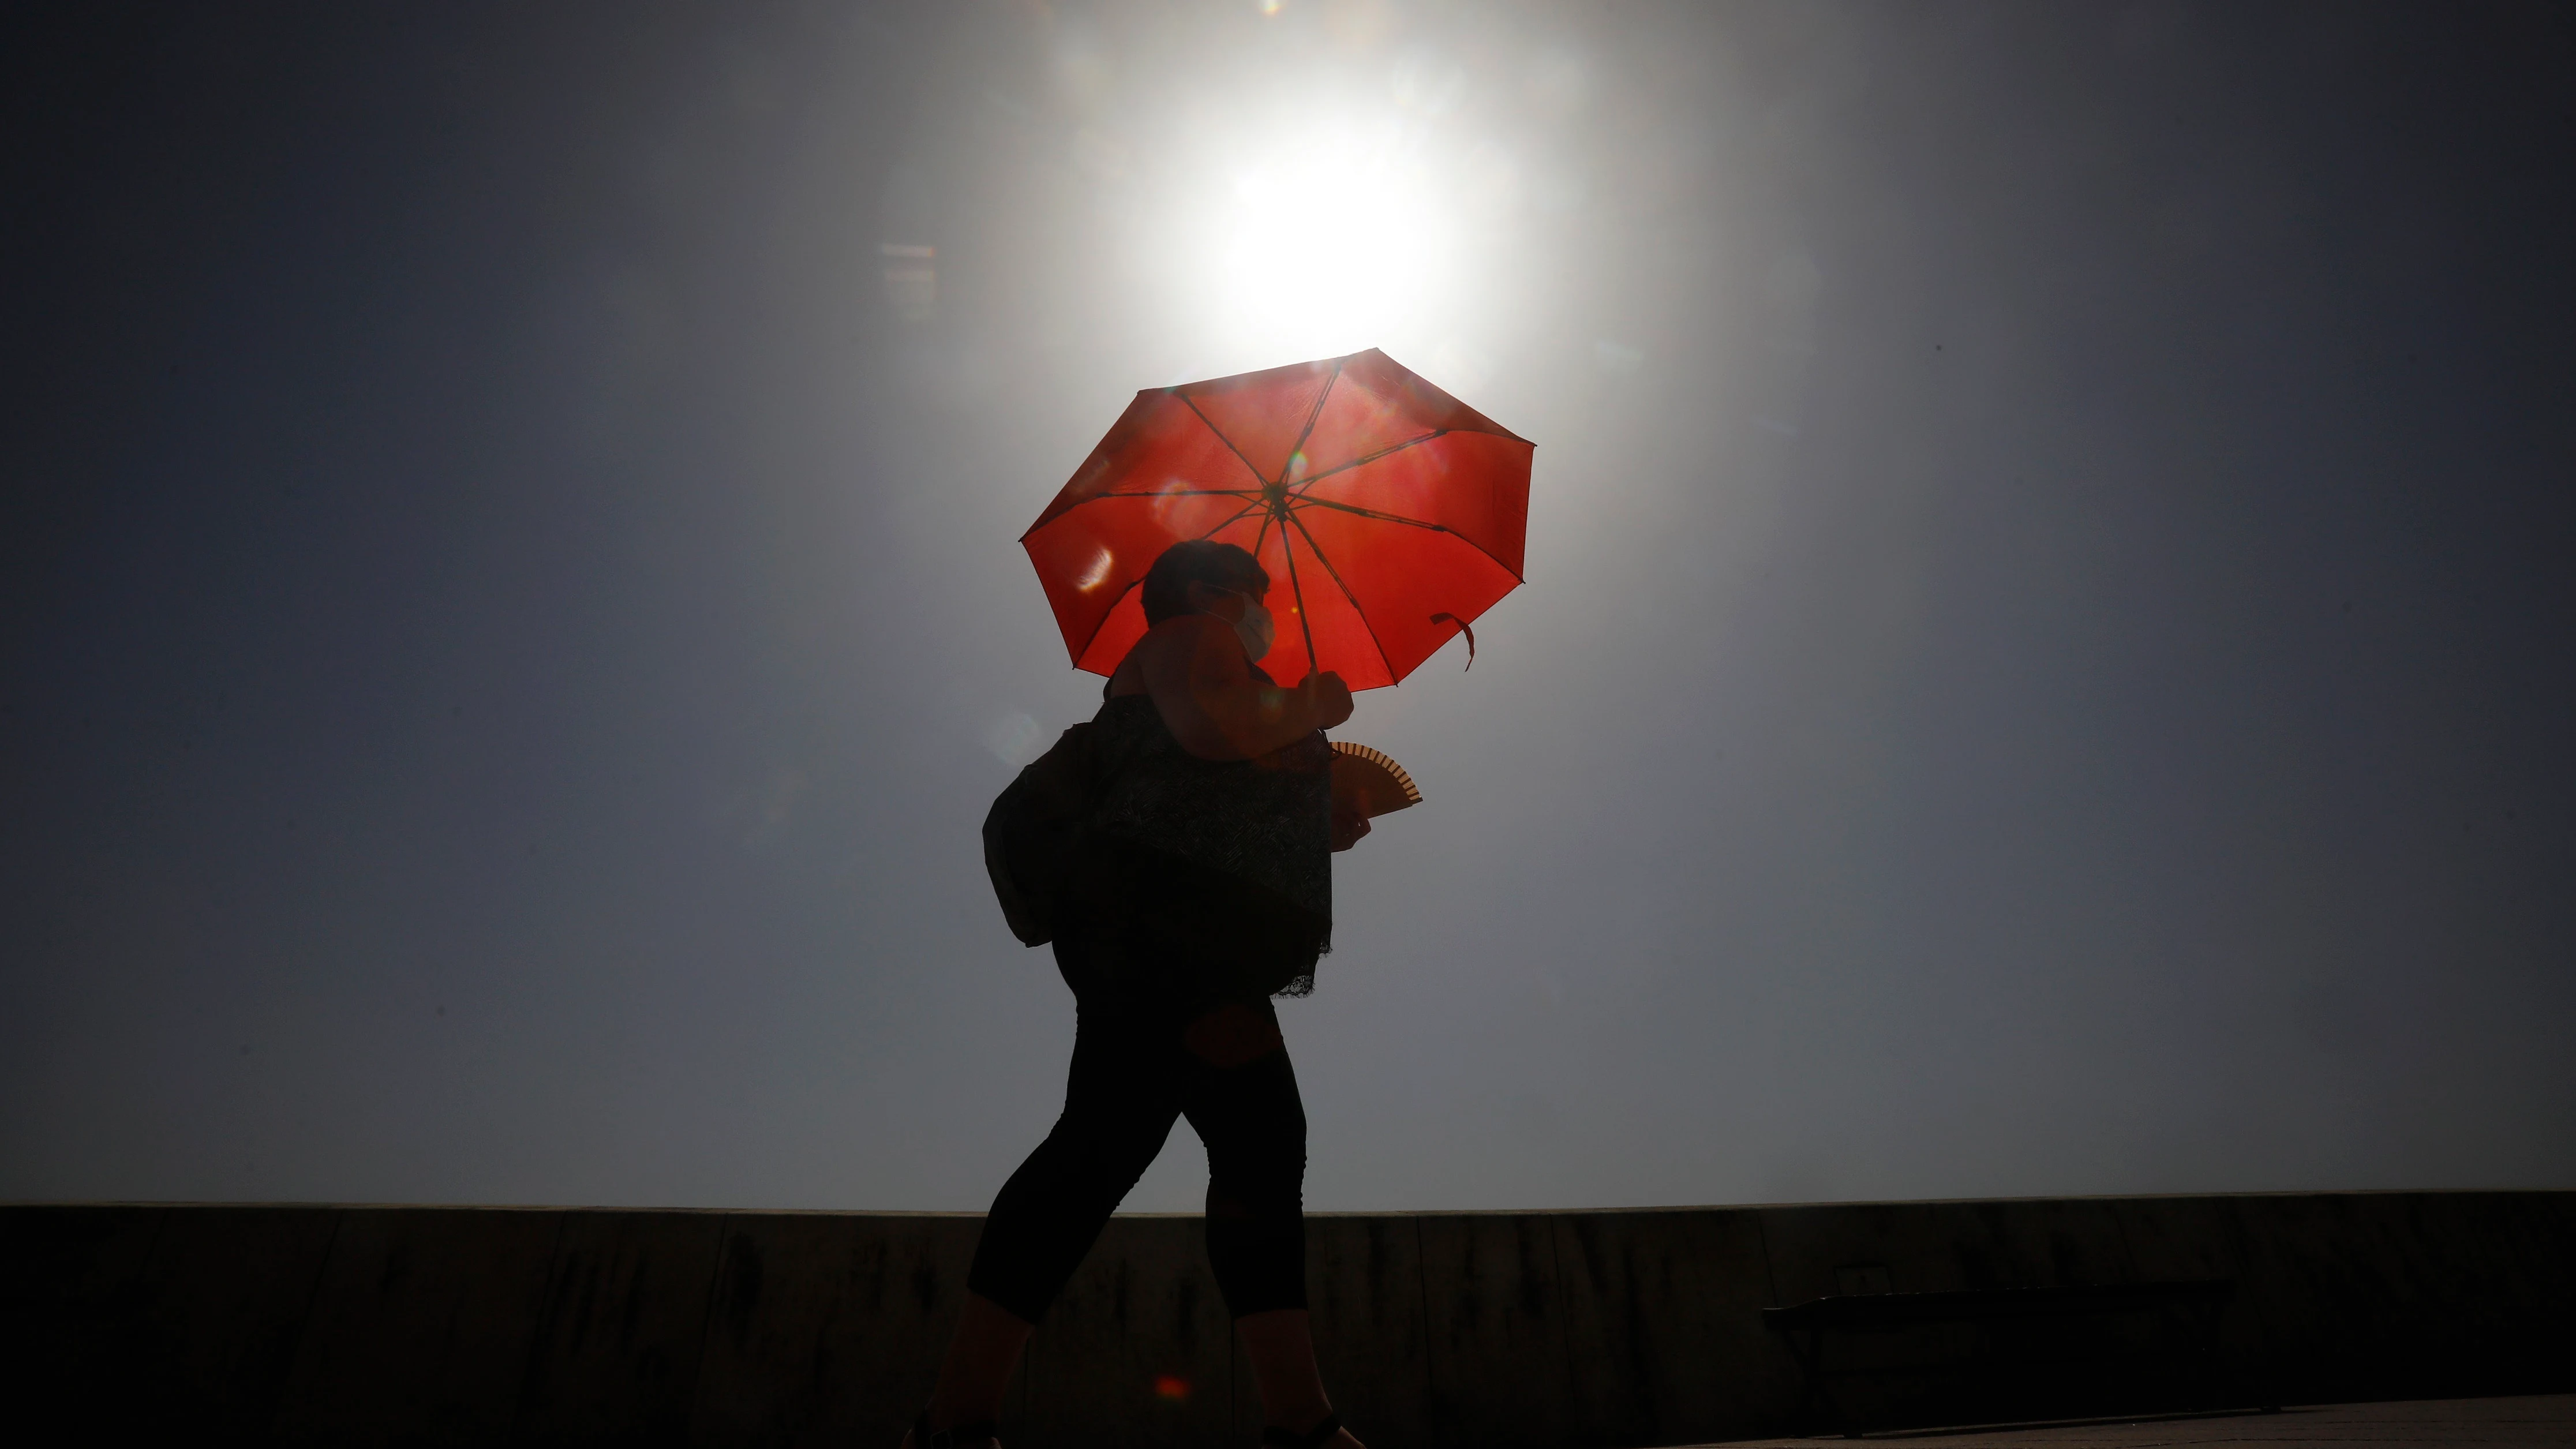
column 1134, row 1070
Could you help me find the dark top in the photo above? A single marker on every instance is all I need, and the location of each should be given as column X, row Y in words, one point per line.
column 1213, row 877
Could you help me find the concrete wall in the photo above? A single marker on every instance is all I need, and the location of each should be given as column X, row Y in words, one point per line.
column 394, row 1325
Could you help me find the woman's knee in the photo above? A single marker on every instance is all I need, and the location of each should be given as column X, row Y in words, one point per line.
column 1256, row 1140
column 1102, row 1152
column 1259, row 1178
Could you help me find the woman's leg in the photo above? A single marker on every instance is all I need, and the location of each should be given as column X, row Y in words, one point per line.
column 1119, row 1103
column 1242, row 1100
column 981, row 1355
column 1282, row 1349
column 1241, row 1096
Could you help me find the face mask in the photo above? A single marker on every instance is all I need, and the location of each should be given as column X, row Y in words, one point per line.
column 1254, row 628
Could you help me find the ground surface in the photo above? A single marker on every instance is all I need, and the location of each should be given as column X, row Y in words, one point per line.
column 2433, row 1424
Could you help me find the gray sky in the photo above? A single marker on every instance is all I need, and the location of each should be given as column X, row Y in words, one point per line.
column 2045, row 664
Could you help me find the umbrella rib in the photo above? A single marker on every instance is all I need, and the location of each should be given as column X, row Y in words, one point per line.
column 1237, row 517
column 1251, row 493
column 1339, row 507
column 1233, row 518
column 1305, row 483
column 1336, row 574
column 1302, row 500
column 1258, row 534
column 1307, row 431
column 1193, row 405
column 1089, row 638
column 1372, row 513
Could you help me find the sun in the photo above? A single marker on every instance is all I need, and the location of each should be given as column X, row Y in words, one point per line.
column 1325, row 239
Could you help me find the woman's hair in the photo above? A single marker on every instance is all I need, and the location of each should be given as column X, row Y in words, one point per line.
column 1198, row 561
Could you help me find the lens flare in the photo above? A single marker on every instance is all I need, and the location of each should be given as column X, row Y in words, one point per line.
column 1096, row 575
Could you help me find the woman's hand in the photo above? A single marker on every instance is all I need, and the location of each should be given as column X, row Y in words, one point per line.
column 1326, row 698
column 1212, row 702
column 1349, row 824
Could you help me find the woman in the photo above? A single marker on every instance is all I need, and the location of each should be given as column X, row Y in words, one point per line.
column 1204, row 888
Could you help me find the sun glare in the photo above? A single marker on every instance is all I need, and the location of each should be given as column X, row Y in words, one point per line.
column 1328, row 239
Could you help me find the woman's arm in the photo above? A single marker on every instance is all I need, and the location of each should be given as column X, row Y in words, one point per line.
column 1212, row 704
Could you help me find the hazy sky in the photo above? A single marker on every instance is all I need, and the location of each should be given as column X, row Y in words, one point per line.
column 2048, row 664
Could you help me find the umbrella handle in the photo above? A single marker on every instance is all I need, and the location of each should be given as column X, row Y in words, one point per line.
column 1297, row 591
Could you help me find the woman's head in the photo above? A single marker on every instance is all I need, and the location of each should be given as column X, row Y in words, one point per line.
column 1216, row 567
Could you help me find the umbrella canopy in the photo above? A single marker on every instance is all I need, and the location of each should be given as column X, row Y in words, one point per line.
column 1389, row 514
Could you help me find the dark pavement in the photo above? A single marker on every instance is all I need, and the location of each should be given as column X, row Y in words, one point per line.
column 2548, row 1419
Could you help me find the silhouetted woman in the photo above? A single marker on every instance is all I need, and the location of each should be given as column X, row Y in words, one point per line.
column 1204, row 889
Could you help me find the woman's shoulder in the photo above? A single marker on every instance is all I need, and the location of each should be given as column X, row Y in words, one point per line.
column 1177, row 639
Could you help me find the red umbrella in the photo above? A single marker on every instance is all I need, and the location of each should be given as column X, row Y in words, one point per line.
column 1389, row 514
